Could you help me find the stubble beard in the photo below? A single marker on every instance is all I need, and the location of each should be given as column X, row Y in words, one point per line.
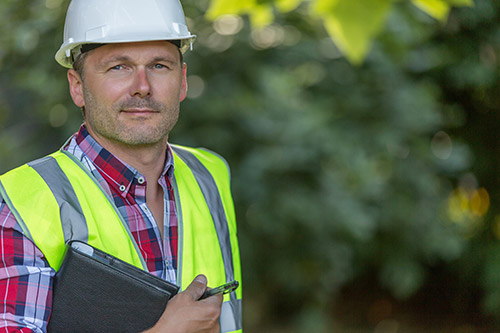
column 104, row 121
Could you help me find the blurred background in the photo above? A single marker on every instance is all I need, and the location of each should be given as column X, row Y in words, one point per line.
column 367, row 190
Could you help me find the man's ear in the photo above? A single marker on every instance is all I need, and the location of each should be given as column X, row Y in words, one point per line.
column 184, row 85
column 76, row 87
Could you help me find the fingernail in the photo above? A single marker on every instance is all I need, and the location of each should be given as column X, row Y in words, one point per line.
column 201, row 279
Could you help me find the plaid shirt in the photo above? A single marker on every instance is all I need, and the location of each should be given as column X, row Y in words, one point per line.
column 26, row 277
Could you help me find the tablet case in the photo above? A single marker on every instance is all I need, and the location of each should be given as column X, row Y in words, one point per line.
column 96, row 292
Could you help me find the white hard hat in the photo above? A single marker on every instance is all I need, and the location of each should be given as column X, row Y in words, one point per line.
column 121, row 21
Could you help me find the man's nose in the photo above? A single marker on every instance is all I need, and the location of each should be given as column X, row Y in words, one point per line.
column 141, row 86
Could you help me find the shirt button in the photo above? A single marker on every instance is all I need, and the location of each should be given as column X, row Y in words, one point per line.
column 122, row 188
column 141, row 180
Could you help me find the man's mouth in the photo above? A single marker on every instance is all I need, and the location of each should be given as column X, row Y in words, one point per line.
column 139, row 111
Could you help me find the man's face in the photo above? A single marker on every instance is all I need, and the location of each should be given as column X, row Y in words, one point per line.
column 131, row 92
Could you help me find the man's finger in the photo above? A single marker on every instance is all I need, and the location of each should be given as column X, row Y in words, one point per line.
column 197, row 287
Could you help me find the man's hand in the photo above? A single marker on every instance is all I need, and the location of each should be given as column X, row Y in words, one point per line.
column 185, row 313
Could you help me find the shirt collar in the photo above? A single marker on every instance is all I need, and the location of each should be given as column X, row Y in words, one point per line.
column 117, row 173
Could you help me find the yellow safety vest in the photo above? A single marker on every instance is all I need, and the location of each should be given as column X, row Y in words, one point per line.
column 56, row 199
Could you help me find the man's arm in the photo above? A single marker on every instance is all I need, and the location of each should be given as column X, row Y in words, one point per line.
column 25, row 279
column 186, row 314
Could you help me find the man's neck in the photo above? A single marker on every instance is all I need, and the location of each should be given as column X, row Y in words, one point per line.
column 149, row 160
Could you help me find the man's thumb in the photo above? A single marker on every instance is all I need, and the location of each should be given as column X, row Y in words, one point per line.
column 197, row 287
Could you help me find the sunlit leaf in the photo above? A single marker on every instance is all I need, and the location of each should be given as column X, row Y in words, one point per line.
column 261, row 16
column 438, row 9
column 353, row 24
column 225, row 7
column 321, row 7
column 460, row 3
column 287, row 5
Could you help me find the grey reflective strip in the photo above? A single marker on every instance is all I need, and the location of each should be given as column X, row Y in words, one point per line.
column 73, row 220
column 13, row 210
column 211, row 194
column 111, row 201
column 230, row 317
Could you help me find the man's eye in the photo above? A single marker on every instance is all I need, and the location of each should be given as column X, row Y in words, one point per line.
column 117, row 67
column 159, row 66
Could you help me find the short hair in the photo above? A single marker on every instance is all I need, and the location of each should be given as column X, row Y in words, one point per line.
column 79, row 62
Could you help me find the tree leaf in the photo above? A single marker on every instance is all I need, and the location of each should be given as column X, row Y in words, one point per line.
column 353, row 24
column 461, row 3
column 438, row 9
column 321, row 7
column 225, row 7
column 261, row 16
column 286, row 6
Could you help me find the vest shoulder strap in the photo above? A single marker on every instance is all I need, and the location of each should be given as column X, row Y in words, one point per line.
column 56, row 199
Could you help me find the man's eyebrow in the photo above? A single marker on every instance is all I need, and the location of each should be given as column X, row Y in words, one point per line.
column 164, row 59
column 124, row 58
column 118, row 58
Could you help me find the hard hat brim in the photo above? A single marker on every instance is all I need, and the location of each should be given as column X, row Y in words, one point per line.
column 65, row 57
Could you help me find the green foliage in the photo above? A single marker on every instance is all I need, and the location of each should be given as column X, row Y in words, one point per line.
column 34, row 102
column 470, row 77
column 341, row 174
column 351, row 24
column 333, row 166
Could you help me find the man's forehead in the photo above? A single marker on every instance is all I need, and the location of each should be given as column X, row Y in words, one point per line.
column 149, row 50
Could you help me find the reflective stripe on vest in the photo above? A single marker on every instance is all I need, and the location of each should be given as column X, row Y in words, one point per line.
column 73, row 221
column 74, row 188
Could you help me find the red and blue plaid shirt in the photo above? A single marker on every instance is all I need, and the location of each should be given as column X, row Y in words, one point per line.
column 26, row 277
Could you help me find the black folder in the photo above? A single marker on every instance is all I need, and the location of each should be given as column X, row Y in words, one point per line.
column 96, row 292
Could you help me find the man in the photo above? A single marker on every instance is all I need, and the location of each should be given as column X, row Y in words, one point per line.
column 117, row 183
